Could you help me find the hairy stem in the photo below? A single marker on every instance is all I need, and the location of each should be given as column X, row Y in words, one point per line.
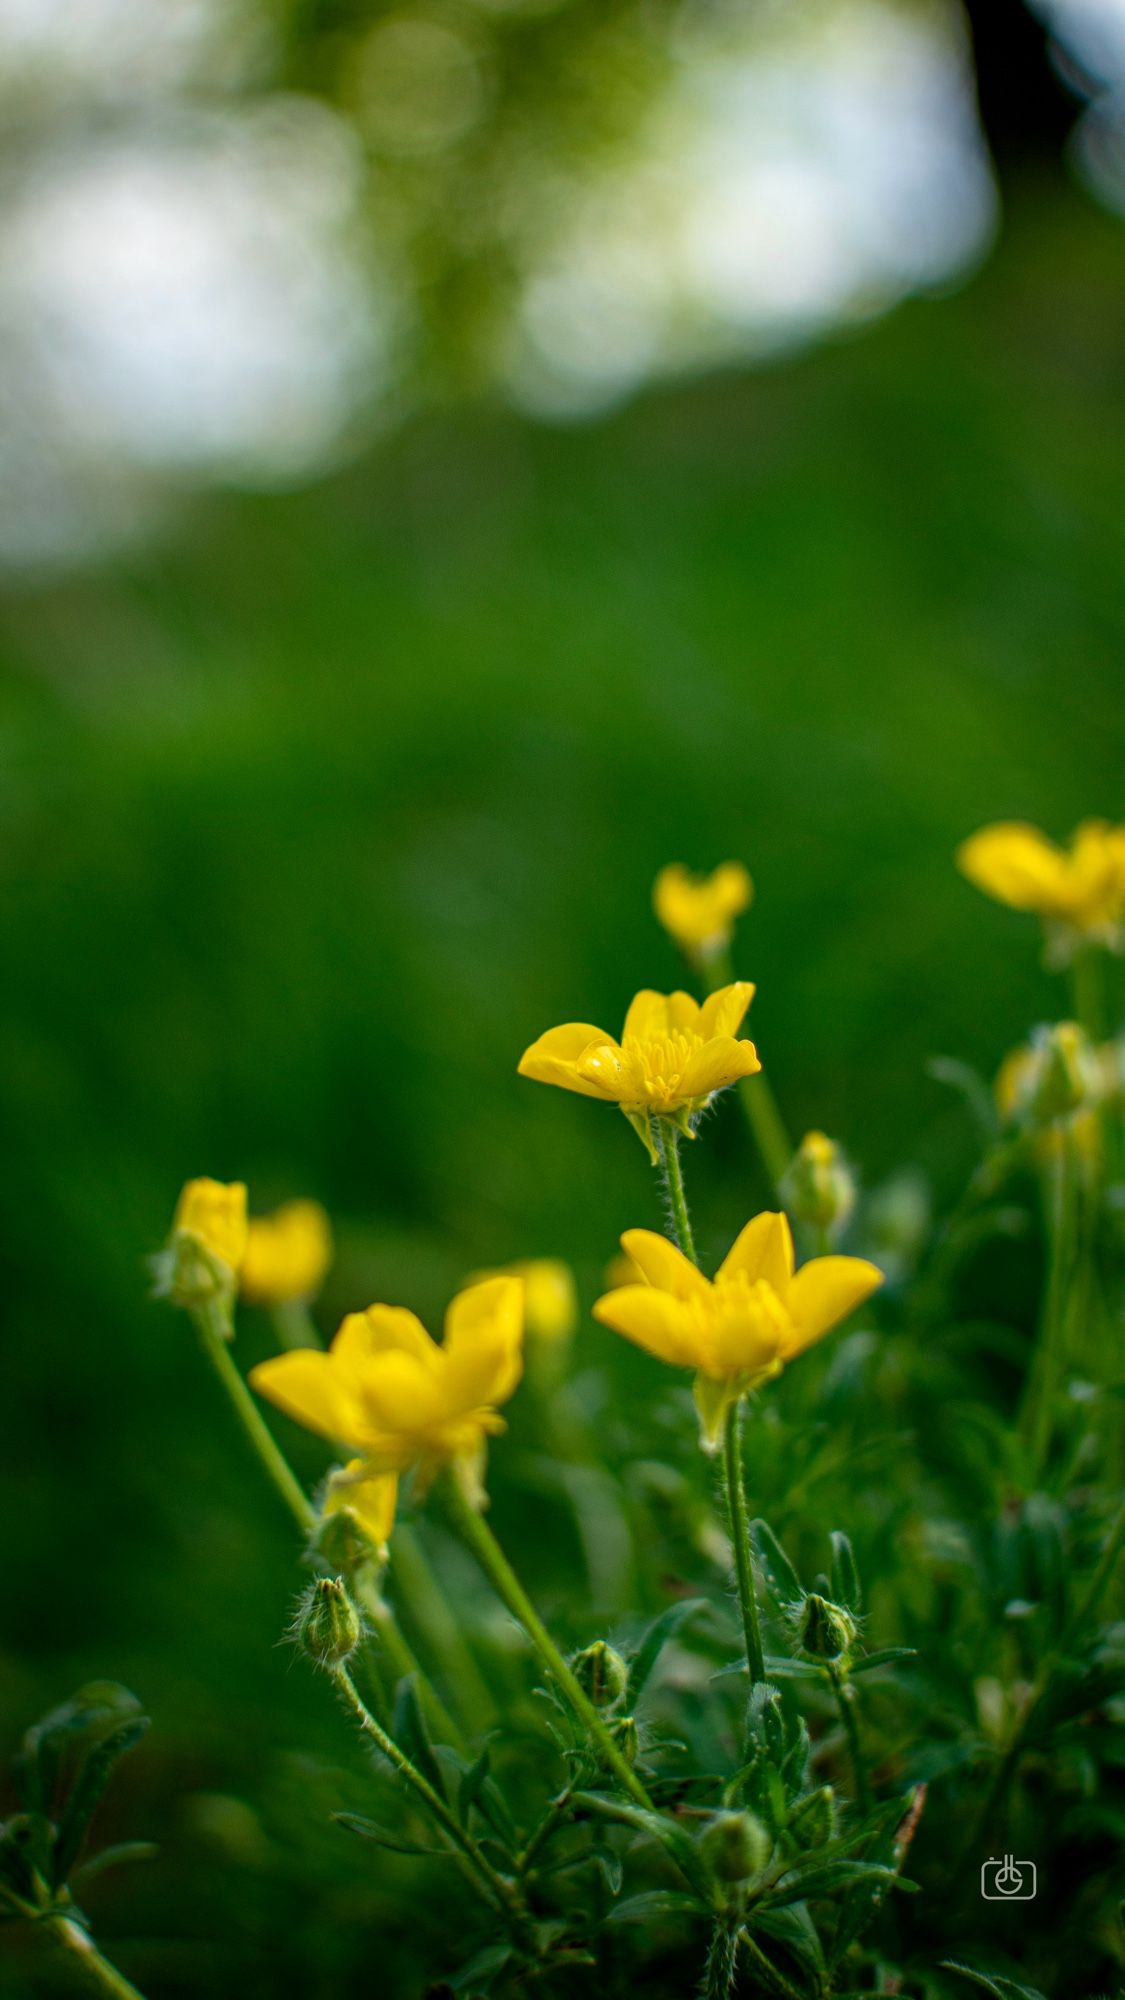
column 672, row 1173
column 481, row 1542
column 735, row 1488
column 846, row 1706
column 96, row 1972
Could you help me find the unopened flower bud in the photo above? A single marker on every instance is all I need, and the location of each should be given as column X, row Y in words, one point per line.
column 826, row 1631
column 813, row 1818
column 736, row 1846
column 328, row 1624
column 624, row 1734
column 200, row 1262
column 819, row 1188
column 1056, row 1074
column 601, row 1673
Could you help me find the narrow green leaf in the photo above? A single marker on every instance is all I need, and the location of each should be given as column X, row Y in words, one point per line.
column 652, row 1644
column 651, row 1904
column 91, row 1783
column 882, row 1658
column 410, row 1733
column 780, row 1574
column 470, row 1785
column 370, row 1829
column 994, row 1983
column 845, row 1575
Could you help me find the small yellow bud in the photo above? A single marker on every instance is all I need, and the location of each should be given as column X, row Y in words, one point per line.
column 825, row 1630
column 287, row 1254
column 819, row 1188
column 736, row 1846
column 550, row 1302
column 200, row 1263
column 328, row 1624
column 601, row 1673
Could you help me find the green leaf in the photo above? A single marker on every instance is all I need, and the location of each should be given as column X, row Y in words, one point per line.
column 409, row 1731
column 89, row 1786
column 111, row 1857
column 672, row 1837
column 96, row 1707
column 816, row 1881
column 370, row 1829
column 651, row 1904
column 882, row 1658
column 480, row 1972
column 469, row 1788
column 969, row 1084
column 845, row 1575
column 784, row 1583
column 652, row 1644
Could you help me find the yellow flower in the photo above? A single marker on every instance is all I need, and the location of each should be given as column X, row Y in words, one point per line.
column 198, row 1268
column 366, row 1499
column 287, row 1254
column 741, row 1328
column 213, row 1213
column 699, row 910
column 397, row 1399
column 550, row 1303
column 1080, row 888
column 672, row 1057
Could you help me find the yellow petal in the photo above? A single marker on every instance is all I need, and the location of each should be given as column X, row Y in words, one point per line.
column 311, row 1389
column 724, row 1011
column 601, row 1072
column 718, row 1063
column 764, row 1249
column 653, row 1320
column 1015, row 863
column 214, row 1212
column 371, row 1497
column 663, row 1265
column 381, row 1330
column 401, row 1397
column 823, row 1293
column 483, row 1343
column 554, row 1057
column 653, row 1017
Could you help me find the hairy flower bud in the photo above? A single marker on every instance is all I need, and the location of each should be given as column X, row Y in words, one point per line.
column 1055, row 1075
column 624, row 1734
column 601, row 1673
column 826, row 1631
column 328, row 1624
column 819, row 1188
column 199, row 1265
column 736, row 1846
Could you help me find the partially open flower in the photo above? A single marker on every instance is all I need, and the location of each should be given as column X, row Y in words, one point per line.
column 287, row 1254
column 199, row 1265
column 740, row 1329
column 398, row 1399
column 699, row 910
column 1078, row 890
column 673, row 1056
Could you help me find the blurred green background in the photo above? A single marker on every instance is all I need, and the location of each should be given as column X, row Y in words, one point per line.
column 318, row 805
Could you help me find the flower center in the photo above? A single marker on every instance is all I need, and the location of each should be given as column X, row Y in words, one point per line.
column 654, row 1070
column 742, row 1326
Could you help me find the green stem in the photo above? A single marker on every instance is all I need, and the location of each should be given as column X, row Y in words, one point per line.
column 672, row 1173
column 211, row 1322
column 1050, row 1361
column 552, row 1820
column 481, row 1542
column 98, row 1974
column 295, row 1325
column 765, row 1968
column 734, row 1485
column 846, row 1706
column 439, row 1626
column 217, row 1349
column 475, row 1863
column 1087, row 984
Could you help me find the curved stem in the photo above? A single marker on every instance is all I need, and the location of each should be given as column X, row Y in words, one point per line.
column 213, row 1328
column 734, row 1485
column 481, row 1542
column 668, row 1148
column 475, row 1864
column 98, row 1974
column 845, row 1705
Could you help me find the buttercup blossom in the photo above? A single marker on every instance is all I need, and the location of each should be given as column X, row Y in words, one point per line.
column 198, row 1268
column 213, row 1213
column 1080, row 888
column 741, row 1328
column 387, row 1390
column 672, row 1057
column 699, row 910
column 287, row 1254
